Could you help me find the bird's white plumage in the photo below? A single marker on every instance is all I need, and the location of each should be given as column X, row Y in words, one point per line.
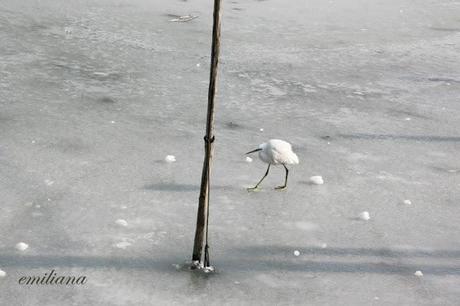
column 276, row 151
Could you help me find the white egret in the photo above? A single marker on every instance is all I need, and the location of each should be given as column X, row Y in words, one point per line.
column 275, row 152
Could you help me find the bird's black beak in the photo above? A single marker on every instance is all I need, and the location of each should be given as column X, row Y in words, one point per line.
column 253, row 151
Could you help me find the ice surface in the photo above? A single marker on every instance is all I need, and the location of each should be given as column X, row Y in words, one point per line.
column 184, row 18
column 49, row 182
column 306, row 72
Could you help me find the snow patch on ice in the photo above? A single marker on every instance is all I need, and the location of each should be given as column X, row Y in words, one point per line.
column 2, row 273
column 170, row 158
column 121, row 222
column 296, row 253
column 22, row 246
column 418, row 273
column 177, row 266
column 49, row 182
column 407, row 202
column 364, row 216
column 123, row 244
column 248, row 159
column 208, row 269
column 198, row 266
column 317, row 180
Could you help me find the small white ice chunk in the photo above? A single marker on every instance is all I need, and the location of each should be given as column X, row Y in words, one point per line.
column 407, row 202
column 49, row 182
column 317, row 180
column 170, row 158
column 22, row 246
column 418, row 273
column 123, row 244
column 364, row 216
column 261, row 129
column 248, row 159
column 177, row 266
column 296, row 253
column 208, row 269
column 2, row 273
column 121, row 222
column 323, row 245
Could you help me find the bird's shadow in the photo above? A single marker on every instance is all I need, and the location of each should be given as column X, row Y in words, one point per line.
column 308, row 183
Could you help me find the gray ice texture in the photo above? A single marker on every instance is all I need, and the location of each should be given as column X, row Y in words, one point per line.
column 94, row 94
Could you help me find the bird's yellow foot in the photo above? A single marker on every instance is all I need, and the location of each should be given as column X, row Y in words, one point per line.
column 280, row 187
column 253, row 189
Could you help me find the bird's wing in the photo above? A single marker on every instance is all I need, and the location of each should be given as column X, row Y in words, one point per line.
column 278, row 154
column 282, row 154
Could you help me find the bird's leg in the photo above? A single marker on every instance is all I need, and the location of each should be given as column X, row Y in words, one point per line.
column 285, row 179
column 257, row 185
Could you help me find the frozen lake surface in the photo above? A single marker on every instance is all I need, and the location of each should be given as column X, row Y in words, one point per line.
column 95, row 94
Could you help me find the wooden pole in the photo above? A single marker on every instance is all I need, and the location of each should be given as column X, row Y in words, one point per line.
column 203, row 203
